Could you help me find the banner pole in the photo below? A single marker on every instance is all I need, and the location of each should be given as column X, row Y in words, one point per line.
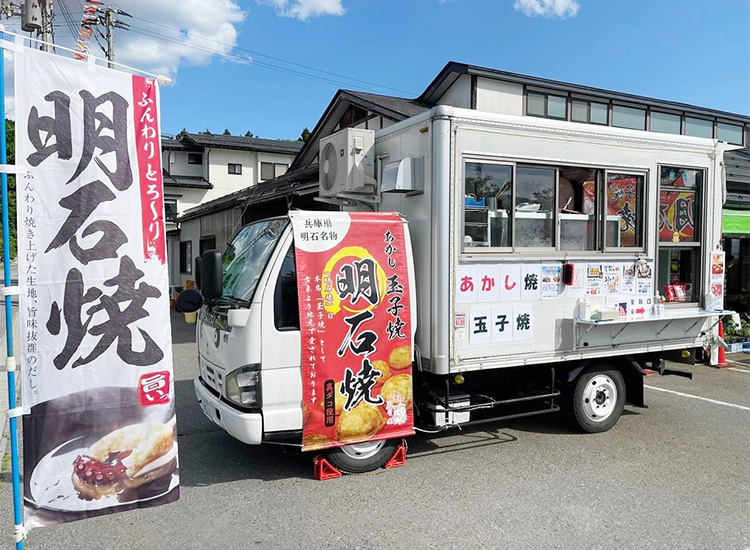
column 10, row 362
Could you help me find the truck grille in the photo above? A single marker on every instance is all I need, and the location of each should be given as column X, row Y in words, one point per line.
column 212, row 376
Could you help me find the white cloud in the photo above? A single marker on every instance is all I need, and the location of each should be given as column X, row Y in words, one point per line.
column 304, row 9
column 547, row 8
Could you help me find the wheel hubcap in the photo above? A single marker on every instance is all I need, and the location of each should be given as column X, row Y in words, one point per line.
column 362, row 451
column 599, row 398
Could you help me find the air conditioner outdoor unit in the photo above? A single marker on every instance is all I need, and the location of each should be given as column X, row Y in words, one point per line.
column 347, row 163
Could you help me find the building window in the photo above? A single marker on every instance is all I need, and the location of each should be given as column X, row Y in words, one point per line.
column 207, row 243
column 591, row 112
column 699, row 127
column 730, row 133
column 679, row 236
column 234, row 168
column 665, row 123
column 266, row 171
column 270, row 170
column 546, row 105
column 279, row 169
column 186, row 257
column 628, row 117
column 195, row 158
column 624, row 196
column 170, row 210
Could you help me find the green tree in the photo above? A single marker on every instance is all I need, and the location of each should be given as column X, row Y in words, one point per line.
column 10, row 134
column 304, row 136
column 227, row 132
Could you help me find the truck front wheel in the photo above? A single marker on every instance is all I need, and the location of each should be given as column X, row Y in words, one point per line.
column 598, row 399
column 364, row 457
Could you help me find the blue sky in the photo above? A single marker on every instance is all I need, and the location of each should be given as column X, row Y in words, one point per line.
column 696, row 52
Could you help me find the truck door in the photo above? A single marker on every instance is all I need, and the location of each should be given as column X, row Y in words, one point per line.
column 280, row 347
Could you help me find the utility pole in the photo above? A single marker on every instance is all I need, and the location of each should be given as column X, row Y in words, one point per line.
column 111, row 23
column 47, row 36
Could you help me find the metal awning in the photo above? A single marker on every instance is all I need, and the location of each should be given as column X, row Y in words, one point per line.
column 735, row 222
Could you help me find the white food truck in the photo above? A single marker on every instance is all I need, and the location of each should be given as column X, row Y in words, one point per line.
column 537, row 278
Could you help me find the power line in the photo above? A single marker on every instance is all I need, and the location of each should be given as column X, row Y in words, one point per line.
column 241, row 59
column 371, row 86
column 253, row 52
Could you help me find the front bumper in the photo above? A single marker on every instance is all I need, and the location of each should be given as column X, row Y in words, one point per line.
column 247, row 427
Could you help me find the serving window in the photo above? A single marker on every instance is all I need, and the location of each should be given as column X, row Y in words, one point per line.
column 680, row 196
column 509, row 206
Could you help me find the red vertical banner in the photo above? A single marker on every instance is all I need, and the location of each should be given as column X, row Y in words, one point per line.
column 149, row 167
column 356, row 327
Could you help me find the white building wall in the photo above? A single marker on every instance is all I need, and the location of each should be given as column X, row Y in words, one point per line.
column 459, row 94
column 496, row 96
column 218, row 170
column 189, row 231
column 176, row 164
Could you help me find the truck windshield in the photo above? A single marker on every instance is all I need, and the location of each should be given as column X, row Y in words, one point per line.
column 247, row 255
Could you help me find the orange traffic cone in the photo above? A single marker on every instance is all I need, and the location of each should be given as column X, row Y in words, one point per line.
column 722, row 362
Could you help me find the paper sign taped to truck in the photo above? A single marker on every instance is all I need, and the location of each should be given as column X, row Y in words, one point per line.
column 356, row 327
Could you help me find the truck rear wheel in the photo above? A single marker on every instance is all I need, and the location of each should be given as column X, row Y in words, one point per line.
column 363, row 457
column 598, row 399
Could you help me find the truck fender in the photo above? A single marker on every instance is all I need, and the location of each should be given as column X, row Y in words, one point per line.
column 632, row 373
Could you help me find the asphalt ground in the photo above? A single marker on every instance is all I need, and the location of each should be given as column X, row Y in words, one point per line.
column 675, row 475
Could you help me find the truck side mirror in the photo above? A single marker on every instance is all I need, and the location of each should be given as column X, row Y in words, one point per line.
column 198, row 263
column 211, row 276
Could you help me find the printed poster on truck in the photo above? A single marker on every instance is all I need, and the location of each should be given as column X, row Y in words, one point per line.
column 356, row 327
column 715, row 298
column 96, row 352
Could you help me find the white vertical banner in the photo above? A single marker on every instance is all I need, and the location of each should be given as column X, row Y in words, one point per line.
column 96, row 353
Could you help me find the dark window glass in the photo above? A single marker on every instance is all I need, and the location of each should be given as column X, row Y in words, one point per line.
column 170, row 210
column 665, row 123
column 730, row 133
column 579, row 111
column 699, row 127
column 195, row 158
column 556, row 106
column 186, row 257
column 286, row 307
column 598, row 113
column 207, row 243
column 234, row 168
column 266, row 171
column 628, row 117
column 535, row 104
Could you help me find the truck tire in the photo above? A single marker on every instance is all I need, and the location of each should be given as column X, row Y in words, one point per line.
column 598, row 399
column 359, row 458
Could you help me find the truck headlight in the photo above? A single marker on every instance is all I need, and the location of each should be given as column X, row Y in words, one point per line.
column 242, row 386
